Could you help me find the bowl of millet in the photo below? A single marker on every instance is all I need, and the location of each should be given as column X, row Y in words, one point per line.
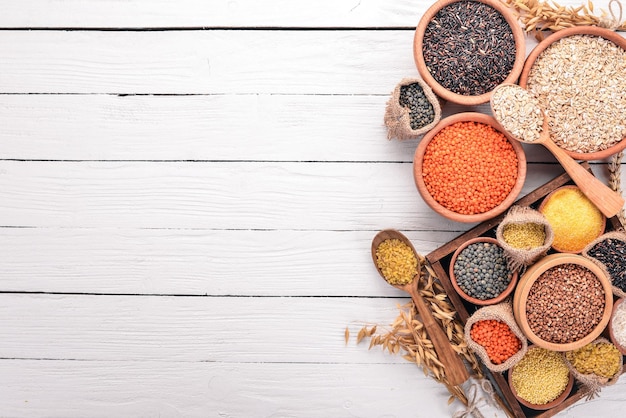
column 467, row 169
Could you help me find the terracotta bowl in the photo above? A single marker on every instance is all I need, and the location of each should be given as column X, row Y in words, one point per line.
column 556, row 247
column 621, row 348
column 549, row 405
column 543, row 45
column 440, row 209
column 444, row 93
column 531, row 275
column 506, row 292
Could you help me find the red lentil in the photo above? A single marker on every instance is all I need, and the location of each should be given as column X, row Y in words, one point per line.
column 496, row 337
column 469, row 167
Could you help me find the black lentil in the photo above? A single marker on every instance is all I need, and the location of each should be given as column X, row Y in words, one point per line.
column 421, row 111
column 481, row 270
column 469, row 48
column 612, row 253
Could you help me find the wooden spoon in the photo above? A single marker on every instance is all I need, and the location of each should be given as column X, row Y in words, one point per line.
column 606, row 200
column 455, row 370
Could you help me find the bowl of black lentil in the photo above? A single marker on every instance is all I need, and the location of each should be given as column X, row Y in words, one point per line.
column 563, row 302
column 463, row 49
column 578, row 75
column 479, row 272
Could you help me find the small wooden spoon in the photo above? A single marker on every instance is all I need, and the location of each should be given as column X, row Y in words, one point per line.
column 455, row 370
column 606, row 200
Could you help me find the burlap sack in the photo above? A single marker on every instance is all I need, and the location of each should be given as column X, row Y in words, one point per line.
column 397, row 118
column 592, row 384
column 518, row 259
column 618, row 235
column 501, row 312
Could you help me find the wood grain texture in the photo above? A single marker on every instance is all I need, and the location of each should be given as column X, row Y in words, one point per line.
column 192, row 329
column 291, row 196
column 196, row 261
column 214, row 13
column 206, row 127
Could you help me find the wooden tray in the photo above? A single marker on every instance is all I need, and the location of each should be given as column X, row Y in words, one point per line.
column 440, row 262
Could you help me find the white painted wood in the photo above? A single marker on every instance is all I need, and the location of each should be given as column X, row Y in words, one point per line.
column 191, row 329
column 207, row 127
column 191, row 389
column 197, row 261
column 213, row 13
column 273, row 195
column 220, row 13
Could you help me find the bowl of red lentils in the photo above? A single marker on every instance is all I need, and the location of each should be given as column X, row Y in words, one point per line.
column 563, row 302
column 467, row 169
column 578, row 75
column 479, row 272
column 463, row 49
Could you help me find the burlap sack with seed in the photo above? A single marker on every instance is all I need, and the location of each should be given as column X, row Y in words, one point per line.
column 502, row 312
column 592, row 383
column 397, row 117
column 518, row 259
column 618, row 235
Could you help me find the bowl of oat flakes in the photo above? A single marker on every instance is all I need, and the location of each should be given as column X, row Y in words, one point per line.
column 579, row 76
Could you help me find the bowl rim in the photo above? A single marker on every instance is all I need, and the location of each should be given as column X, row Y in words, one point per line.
column 445, row 212
column 616, row 304
column 558, row 400
column 549, row 40
column 482, row 302
column 547, row 198
column 520, row 297
column 418, row 55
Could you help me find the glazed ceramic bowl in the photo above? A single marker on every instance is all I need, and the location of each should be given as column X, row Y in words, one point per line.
column 418, row 165
column 503, row 295
column 547, row 42
column 543, row 407
column 528, row 279
column 436, row 85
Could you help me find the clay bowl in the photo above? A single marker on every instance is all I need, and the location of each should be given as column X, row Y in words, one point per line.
column 506, row 292
column 440, row 209
column 559, row 399
column 440, row 90
column 543, row 45
column 621, row 348
column 526, row 281
column 556, row 247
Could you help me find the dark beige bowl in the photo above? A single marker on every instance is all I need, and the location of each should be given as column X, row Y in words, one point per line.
column 543, row 45
column 441, row 91
column 418, row 161
column 525, row 283
column 621, row 348
column 544, row 407
column 506, row 292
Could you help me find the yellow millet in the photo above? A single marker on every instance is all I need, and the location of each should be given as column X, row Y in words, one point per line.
column 524, row 236
column 396, row 261
column 540, row 376
column 601, row 359
column 575, row 220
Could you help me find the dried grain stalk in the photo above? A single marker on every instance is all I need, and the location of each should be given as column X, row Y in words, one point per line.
column 615, row 178
column 538, row 17
column 407, row 335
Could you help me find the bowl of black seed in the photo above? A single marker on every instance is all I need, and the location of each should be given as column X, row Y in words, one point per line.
column 412, row 110
column 479, row 272
column 463, row 49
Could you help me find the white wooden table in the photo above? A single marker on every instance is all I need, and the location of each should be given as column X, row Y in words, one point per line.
column 188, row 192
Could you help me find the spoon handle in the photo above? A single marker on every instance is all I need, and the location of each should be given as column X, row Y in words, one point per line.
column 455, row 369
column 605, row 199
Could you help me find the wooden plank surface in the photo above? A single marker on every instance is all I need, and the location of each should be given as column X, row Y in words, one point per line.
column 188, row 192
